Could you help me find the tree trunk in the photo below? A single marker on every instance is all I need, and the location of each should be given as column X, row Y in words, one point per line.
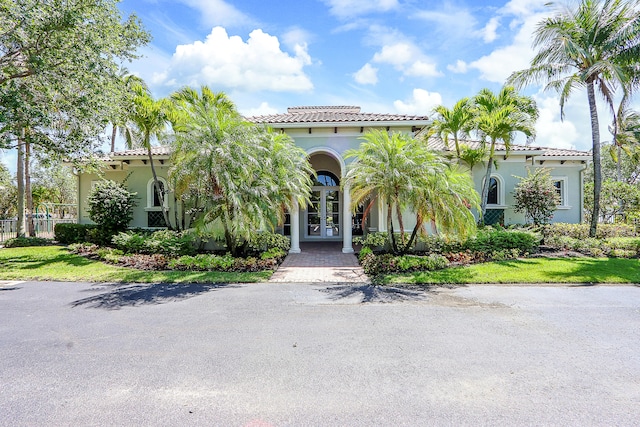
column 159, row 192
column 390, row 236
column 20, row 184
column 597, row 169
column 31, row 231
column 113, row 137
column 400, row 221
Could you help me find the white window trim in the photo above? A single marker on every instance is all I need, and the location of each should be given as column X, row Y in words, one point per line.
column 501, row 200
column 150, row 190
column 564, row 183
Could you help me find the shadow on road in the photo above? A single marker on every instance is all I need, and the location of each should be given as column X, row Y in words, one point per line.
column 147, row 294
column 372, row 293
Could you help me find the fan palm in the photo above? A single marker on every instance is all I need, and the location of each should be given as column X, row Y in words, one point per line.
column 590, row 46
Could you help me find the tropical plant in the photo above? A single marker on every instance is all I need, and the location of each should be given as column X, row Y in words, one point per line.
column 472, row 156
column 626, row 136
column 111, row 205
column 591, row 45
column 455, row 122
column 234, row 176
column 126, row 102
column 536, row 196
column 619, row 201
column 405, row 174
column 498, row 118
column 146, row 123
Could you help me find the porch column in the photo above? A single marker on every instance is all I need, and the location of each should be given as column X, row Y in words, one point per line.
column 295, row 229
column 347, row 243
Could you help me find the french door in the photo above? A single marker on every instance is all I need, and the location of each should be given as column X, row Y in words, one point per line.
column 323, row 214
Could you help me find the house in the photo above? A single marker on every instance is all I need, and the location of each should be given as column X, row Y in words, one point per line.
column 325, row 133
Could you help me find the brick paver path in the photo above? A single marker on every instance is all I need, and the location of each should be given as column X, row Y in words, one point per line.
column 320, row 263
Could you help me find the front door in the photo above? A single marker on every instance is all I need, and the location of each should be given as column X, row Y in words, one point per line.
column 323, row 214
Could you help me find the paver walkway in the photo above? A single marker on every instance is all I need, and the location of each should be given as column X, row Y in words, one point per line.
column 319, row 263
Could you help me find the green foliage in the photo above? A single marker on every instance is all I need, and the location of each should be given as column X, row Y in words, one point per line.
column 377, row 239
column 489, row 241
column 111, row 205
column 613, row 246
column 364, row 252
column 20, row 242
column 227, row 262
column 273, row 253
column 619, row 201
column 72, row 233
column 389, row 263
column 536, row 196
column 265, row 241
column 581, row 231
column 164, row 242
column 8, row 194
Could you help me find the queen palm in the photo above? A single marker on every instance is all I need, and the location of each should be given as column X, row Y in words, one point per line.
column 147, row 122
column 589, row 46
column 405, row 174
column 455, row 122
column 499, row 117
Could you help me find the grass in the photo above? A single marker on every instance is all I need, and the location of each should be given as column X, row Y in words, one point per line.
column 533, row 270
column 56, row 263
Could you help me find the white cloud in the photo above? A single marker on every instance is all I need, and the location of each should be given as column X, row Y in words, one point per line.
column 351, row 8
column 449, row 20
column 408, row 58
column 421, row 102
column 489, row 31
column 460, row 67
column 551, row 131
column 218, row 12
column 367, row 75
column 221, row 60
column 263, row 109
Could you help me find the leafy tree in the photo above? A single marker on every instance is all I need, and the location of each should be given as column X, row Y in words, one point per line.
column 234, row 175
column 536, row 196
column 405, row 174
column 147, row 123
column 455, row 122
column 8, row 194
column 111, row 206
column 498, row 118
column 620, row 201
column 626, row 137
column 591, row 45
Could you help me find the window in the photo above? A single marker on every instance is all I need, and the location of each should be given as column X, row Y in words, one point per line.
column 492, row 196
column 561, row 189
column 153, row 199
column 325, row 179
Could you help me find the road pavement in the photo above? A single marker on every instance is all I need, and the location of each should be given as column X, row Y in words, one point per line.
column 286, row 354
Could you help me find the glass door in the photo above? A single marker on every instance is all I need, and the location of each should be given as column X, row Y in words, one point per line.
column 323, row 213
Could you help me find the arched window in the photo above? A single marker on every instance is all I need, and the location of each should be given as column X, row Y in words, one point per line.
column 326, row 179
column 495, row 196
column 153, row 199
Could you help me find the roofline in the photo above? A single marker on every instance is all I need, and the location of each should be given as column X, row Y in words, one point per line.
column 345, row 124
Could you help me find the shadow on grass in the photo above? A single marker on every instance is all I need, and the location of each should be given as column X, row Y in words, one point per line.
column 29, row 262
column 373, row 293
column 147, row 294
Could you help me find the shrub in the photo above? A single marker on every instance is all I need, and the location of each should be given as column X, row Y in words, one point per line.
column 20, row 242
column 536, row 196
column 165, row 242
column 373, row 240
column 264, row 241
column 388, row 263
column 67, row 234
column 111, row 205
column 208, row 262
column 274, row 253
column 366, row 250
column 489, row 240
column 581, row 231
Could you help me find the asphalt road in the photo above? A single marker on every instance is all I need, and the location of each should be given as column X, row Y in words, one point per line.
column 287, row 354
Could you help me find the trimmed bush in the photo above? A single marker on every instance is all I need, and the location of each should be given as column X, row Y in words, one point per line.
column 164, row 242
column 67, row 234
column 21, row 242
column 264, row 241
column 581, row 231
column 489, row 241
column 111, row 205
column 389, row 263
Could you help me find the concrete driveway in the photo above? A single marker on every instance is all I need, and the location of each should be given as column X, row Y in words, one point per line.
column 287, row 354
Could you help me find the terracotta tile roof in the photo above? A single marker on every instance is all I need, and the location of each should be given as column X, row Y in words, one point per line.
column 331, row 114
column 163, row 150
column 438, row 144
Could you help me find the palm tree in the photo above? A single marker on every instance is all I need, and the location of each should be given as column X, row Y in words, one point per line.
column 626, row 135
column 404, row 173
column 455, row 122
column 147, row 122
column 127, row 102
column 498, row 118
column 589, row 46
column 236, row 176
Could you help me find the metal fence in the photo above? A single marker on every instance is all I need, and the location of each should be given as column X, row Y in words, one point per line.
column 44, row 227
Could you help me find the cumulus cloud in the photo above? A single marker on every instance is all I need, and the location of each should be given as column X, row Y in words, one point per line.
column 350, row 8
column 551, row 131
column 489, row 32
column 421, row 102
column 367, row 75
column 263, row 109
column 460, row 67
column 218, row 12
column 406, row 57
column 228, row 61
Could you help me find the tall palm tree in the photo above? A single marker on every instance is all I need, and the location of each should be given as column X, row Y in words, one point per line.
column 626, row 135
column 147, row 123
column 455, row 122
column 498, row 118
column 590, row 46
column 126, row 102
column 404, row 173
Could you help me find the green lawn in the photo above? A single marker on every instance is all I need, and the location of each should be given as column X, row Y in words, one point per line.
column 533, row 270
column 56, row 263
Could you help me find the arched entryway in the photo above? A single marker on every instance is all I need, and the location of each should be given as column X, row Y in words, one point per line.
column 327, row 218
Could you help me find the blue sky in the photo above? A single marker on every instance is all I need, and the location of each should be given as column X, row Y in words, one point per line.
column 387, row 56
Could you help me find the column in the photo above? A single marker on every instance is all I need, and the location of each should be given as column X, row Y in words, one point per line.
column 347, row 241
column 295, row 229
